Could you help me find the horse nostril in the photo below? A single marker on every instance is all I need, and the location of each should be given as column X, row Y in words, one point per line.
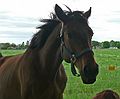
column 91, row 72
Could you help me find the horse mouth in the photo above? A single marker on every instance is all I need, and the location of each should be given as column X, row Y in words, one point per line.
column 89, row 81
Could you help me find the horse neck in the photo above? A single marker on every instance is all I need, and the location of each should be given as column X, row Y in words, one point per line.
column 50, row 53
column 45, row 61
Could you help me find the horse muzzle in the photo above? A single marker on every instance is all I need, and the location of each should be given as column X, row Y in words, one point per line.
column 89, row 81
column 88, row 74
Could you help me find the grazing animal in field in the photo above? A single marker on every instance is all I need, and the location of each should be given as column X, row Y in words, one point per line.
column 107, row 94
column 38, row 73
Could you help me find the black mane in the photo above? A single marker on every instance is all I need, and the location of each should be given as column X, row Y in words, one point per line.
column 41, row 36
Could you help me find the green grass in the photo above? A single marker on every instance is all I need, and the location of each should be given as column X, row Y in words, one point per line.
column 106, row 79
column 11, row 52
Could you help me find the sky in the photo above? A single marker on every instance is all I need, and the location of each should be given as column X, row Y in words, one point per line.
column 19, row 18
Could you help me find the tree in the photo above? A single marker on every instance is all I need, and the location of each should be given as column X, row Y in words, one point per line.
column 22, row 45
column 13, row 45
column 118, row 45
column 27, row 44
column 95, row 44
column 112, row 43
column 5, row 45
column 106, row 44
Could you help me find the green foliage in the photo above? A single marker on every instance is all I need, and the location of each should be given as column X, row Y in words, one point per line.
column 4, row 45
column 113, row 43
column 27, row 44
column 118, row 45
column 8, row 46
column 106, row 44
column 95, row 44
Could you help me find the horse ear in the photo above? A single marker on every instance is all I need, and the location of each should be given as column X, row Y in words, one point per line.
column 60, row 14
column 87, row 13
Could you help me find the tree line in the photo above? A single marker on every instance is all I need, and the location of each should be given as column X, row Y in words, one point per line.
column 5, row 46
column 106, row 44
column 95, row 44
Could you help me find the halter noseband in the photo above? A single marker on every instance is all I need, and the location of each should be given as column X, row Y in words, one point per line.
column 73, row 56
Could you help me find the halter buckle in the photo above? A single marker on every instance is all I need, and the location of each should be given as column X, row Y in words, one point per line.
column 73, row 58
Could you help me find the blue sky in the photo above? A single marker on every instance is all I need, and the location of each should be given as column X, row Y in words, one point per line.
column 19, row 18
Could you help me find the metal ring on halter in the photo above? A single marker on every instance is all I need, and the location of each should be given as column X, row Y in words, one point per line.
column 73, row 59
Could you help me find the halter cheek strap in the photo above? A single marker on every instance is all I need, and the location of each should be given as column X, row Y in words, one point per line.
column 73, row 56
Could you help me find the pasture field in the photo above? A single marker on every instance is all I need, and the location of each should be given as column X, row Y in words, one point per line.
column 106, row 79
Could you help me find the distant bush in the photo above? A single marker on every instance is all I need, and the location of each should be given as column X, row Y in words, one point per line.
column 106, row 44
column 14, row 46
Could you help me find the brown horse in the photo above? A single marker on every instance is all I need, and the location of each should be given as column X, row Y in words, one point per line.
column 39, row 73
column 107, row 94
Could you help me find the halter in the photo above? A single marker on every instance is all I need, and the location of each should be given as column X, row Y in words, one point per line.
column 73, row 55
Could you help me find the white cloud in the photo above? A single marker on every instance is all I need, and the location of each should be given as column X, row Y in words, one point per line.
column 105, row 18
